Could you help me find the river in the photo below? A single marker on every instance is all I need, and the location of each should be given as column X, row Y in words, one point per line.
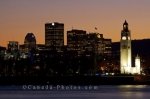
column 85, row 92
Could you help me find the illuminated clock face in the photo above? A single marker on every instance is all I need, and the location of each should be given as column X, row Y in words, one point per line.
column 125, row 26
column 124, row 38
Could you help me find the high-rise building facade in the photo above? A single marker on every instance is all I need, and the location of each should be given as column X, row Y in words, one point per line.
column 125, row 50
column 13, row 46
column 107, row 47
column 54, row 35
column 79, row 40
column 30, row 42
column 94, row 43
column 76, row 40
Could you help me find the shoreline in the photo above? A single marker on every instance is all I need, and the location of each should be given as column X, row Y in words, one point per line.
column 77, row 80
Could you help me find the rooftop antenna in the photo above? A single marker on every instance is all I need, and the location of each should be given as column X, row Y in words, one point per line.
column 72, row 27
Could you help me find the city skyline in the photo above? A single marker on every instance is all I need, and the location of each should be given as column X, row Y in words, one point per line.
column 21, row 17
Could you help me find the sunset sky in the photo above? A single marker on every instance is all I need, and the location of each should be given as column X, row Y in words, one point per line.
column 18, row 17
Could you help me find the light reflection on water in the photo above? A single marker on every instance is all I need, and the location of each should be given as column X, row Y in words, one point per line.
column 103, row 92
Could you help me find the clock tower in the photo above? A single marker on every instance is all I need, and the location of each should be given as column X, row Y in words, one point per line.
column 125, row 50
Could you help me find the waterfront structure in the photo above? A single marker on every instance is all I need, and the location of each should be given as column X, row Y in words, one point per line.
column 54, row 35
column 125, row 50
column 126, row 66
column 29, row 42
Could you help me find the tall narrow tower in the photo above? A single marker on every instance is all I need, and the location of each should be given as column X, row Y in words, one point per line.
column 125, row 50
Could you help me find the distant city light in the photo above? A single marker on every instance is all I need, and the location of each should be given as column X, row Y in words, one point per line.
column 53, row 24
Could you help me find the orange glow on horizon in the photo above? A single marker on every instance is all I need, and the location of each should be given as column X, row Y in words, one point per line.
column 20, row 17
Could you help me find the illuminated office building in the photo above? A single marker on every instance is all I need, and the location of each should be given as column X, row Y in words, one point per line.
column 54, row 35
column 76, row 40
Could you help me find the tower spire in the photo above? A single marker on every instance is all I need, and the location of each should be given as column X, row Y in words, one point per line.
column 125, row 23
column 125, row 26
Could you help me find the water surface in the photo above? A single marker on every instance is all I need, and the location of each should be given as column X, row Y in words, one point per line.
column 102, row 92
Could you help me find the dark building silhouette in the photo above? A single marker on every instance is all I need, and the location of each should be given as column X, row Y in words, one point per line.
column 76, row 40
column 81, row 56
column 13, row 46
column 29, row 42
column 40, row 47
column 54, row 35
column 2, row 48
column 79, row 40
column 88, row 49
column 107, row 47
column 94, row 43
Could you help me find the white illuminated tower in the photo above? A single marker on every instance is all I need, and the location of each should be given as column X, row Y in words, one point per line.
column 125, row 50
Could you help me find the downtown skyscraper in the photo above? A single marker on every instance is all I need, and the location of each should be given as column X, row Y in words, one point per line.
column 54, row 35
